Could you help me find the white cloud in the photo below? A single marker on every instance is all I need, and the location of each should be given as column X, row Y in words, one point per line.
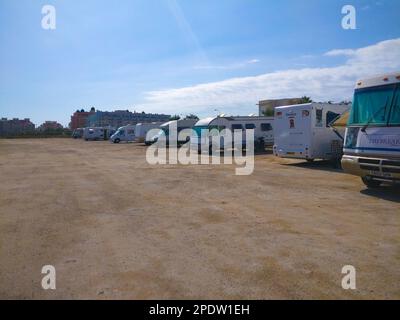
column 239, row 95
column 340, row 52
column 231, row 66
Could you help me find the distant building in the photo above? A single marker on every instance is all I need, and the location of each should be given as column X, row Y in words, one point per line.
column 267, row 107
column 50, row 125
column 79, row 118
column 15, row 126
column 121, row 118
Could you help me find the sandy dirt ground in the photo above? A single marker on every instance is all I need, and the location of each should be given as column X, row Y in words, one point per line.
column 115, row 227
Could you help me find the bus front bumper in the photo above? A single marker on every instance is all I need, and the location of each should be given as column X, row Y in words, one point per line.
column 380, row 169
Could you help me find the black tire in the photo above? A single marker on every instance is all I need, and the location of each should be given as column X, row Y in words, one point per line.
column 117, row 140
column 371, row 183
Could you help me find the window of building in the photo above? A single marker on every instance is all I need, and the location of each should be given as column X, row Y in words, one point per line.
column 266, row 127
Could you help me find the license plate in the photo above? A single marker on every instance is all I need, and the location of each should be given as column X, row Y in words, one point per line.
column 381, row 174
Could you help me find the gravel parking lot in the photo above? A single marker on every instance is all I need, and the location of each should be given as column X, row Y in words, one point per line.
column 115, row 227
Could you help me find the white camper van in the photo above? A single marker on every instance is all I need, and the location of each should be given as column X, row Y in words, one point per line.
column 262, row 126
column 165, row 131
column 93, row 134
column 142, row 129
column 303, row 131
column 372, row 143
column 96, row 134
column 126, row 133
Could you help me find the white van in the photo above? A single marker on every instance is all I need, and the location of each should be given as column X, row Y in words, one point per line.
column 262, row 126
column 142, row 129
column 303, row 131
column 126, row 133
column 164, row 130
column 372, row 144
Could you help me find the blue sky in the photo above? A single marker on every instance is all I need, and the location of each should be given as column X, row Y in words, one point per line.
column 192, row 56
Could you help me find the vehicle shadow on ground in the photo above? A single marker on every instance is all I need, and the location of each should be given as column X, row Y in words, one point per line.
column 390, row 193
column 316, row 165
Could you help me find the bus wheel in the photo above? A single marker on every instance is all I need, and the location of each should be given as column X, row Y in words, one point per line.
column 371, row 183
column 117, row 141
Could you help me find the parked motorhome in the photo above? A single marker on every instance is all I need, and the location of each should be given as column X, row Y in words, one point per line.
column 262, row 126
column 165, row 131
column 97, row 133
column 142, row 129
column 303, row 131
column 126, row 133
column 77, row 133
column 372, row 143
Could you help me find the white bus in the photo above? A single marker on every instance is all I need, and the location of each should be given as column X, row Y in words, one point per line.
column 303, row 131
column 372, row 143
column 262, row 126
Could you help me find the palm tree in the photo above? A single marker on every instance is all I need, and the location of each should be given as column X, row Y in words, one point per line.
column 306, row 99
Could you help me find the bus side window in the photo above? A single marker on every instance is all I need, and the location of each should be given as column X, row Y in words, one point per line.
column 237, row 127
column 266, row 127
column 318, row 118
column 250, row 126
column 330, row 116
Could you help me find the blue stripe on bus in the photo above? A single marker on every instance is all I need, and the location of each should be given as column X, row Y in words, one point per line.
column 375, row 149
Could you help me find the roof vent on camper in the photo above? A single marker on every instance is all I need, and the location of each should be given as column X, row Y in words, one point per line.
column 252, row 115
column 222, row 115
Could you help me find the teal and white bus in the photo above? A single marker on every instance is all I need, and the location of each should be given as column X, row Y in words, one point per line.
column 372, row 143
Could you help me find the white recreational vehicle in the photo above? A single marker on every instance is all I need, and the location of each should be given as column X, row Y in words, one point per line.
column 126, row 133
column 97, row 133
column 142, row 129
column 372, row 143
column 303, row 131
column 165, row 131
column 262, row 126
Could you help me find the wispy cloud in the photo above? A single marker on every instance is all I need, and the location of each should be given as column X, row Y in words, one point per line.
column 340, row 52
column 230, row 66
column 331, row 83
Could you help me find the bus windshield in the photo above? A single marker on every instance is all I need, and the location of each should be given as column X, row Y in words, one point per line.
column 199, row 129
column 377, row 106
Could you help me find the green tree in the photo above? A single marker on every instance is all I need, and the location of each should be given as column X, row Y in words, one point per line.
column 175, row 117
column 269, row 113
column 192, row 116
